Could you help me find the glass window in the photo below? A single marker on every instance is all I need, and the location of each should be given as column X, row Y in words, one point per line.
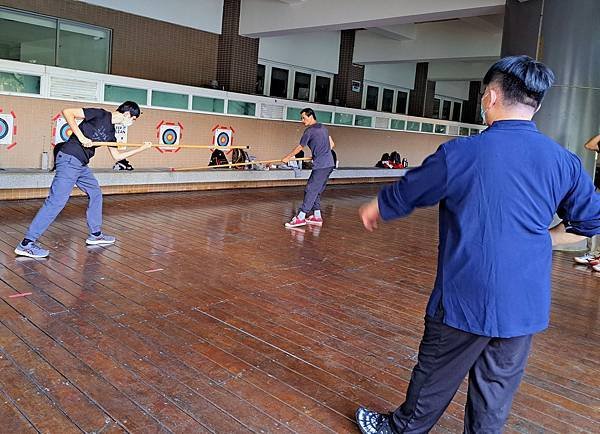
column 456, row 111
column 474, row 131
column 302, row 86
column 397, row 124
column 241, row 108
column 440, row 129
column 43, row 40
column 322, row 88
column 427, row 127
column 401, row 102
column 205, row 104
column 362, row 121
column 387, row 103
column 463, row 131
column 372, row 97
column 413, row 126
column 113, row 93
column 170, row 100
column 279, row 82
column 343, row 119
column 293, row 114
column 260, row 79
column 435, row 112
column 323, row 117
column 83, row 47
column 27, row 38
column 446, row 110
column 21, row 83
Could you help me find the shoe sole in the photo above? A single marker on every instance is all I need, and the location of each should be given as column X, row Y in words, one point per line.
column 288, row 226
column 98, row 243
column 356, row 419
column 583, row 261
column 29, row 255
column 314, row 223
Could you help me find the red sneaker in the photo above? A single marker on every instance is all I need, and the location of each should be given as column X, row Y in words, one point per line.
column 312, row 220
column 295, row 222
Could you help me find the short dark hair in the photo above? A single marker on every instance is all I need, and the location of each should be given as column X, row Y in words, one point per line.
column 309, row 112
column 522, row 79
column 130, row 106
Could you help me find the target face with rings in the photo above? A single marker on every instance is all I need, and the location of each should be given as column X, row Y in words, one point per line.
column 223, row 139
column 4, row 128
column 169, row 136
column 65, row 132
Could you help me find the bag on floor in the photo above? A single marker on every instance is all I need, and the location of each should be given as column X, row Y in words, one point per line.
column 122, row 165
column 218, row 158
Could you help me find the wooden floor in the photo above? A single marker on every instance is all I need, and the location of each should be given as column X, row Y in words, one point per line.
column 209, row 316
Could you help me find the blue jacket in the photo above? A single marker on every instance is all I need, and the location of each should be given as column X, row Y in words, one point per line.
column 497, row 192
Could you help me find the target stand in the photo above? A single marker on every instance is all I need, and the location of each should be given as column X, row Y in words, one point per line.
column 8, row 129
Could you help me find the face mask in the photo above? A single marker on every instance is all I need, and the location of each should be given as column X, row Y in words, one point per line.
column 482, row 111
column 127, row 121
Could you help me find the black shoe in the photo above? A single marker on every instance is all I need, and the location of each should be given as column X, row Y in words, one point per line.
column 371, row 422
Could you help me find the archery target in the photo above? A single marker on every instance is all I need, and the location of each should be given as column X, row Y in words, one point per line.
column 169, row 134
column 7, row 127
column 62, row 130
column 223, row 137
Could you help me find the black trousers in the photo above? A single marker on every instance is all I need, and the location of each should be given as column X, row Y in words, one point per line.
column 495, row 367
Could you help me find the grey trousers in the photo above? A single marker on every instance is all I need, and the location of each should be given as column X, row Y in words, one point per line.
column 317, row 181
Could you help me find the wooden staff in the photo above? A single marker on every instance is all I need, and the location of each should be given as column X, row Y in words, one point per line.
column 180, row 169
column 138, row 145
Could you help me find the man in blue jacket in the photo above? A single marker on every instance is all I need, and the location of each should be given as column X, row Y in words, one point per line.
column 497, row 194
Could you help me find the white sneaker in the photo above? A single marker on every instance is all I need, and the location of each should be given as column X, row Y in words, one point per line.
column 587, row 258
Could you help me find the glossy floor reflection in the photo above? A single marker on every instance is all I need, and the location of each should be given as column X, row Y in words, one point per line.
column 209, row 316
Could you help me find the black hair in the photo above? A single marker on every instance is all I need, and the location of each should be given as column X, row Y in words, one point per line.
column 309, row 112
column 522, row 79
column 130, row 106
column 395, row 157
column 385, row 157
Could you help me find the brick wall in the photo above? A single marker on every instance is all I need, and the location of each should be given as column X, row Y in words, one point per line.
column 238, row 55
column 348, row 72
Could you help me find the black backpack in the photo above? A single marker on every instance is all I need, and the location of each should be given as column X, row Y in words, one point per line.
column 240, row 156
column 217, row 158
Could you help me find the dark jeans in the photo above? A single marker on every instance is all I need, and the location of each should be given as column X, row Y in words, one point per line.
column 495, row 367
column 317, row 181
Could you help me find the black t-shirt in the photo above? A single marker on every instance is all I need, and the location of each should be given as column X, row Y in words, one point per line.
column 96, row 126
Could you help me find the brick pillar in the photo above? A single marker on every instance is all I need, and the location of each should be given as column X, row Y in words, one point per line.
column 470, row 113
column 416, row 103
column 237, row 58
column 347, row 73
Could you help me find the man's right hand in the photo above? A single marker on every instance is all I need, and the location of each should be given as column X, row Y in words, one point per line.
column 286, row 159
column 85, row 142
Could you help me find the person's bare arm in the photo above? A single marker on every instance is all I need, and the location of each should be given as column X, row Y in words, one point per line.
column 593, row 144
column 331, row 143
column 561, row 236
column 121, row 155
column 292, row 154
column 71, row 115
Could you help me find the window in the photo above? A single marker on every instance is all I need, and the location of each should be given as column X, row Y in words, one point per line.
column 323, row 117
column 446, row 110
column 83, row 47
column 440, row 129
column 260, row 79
column 362, row 121
column 302, row 86
column 435, row 112
column 387, row 103
column 401, row 102
column 413, row 126
column 372, row 97
column 322, row 88
column 21, row 83
column 343, row 119
column 397, row 124
column 113, row 93
column 427, row 127
column 51, row 41
column 241, row 108
column 169, row 100
column 293, row 114
column 279, row 82
column 205, row 104
column 456, row 110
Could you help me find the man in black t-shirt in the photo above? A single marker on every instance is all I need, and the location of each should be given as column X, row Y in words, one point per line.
column 71, row 162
